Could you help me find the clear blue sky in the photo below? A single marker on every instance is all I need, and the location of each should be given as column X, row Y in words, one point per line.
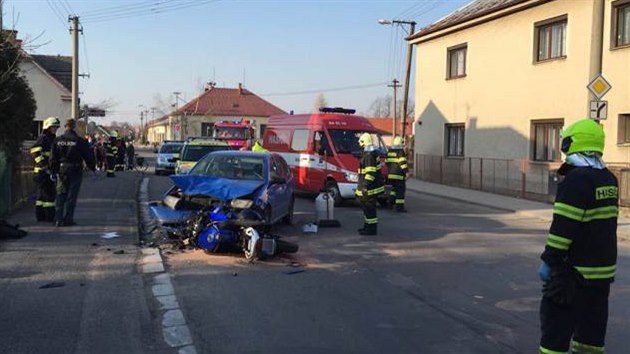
column 284, row 51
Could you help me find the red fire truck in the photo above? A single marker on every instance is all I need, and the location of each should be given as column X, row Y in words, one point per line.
column 237, row 133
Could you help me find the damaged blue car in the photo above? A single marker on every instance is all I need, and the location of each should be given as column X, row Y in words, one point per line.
column 243, row 180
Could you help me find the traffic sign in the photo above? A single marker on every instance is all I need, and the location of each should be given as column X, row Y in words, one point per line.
column 599, row 87
column 599, row 110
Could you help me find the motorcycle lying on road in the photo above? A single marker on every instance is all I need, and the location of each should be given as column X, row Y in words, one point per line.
column 218, row 214
column 227, row 227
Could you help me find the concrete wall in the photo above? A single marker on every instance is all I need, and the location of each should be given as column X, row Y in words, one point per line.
column 51, row 97
column 504, row 89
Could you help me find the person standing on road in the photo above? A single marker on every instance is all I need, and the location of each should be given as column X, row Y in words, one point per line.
column 69, row 151
column 579, row 260
column 370, row 184
column 121, row 155
column 131, row 152
column 112, row 151
column 397, row 174
column 45, row 203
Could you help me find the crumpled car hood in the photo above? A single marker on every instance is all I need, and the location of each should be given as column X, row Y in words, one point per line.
column 216, row 187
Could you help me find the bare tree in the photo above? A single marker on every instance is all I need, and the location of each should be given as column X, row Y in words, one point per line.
column 381, row 107
column 320, row 101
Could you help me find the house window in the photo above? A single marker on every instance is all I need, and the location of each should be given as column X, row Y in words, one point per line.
column 547, row 140
column 621, row 23
column 206, row 129
column 455, row 139
column 551, row 39
column 623, row 129
column 457, row 61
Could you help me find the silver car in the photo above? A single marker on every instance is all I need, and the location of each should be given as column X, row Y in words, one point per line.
column 169, row 151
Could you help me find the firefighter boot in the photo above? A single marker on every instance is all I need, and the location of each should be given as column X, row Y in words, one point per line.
column 361, row 230
column 369, row 230
column 401, row 208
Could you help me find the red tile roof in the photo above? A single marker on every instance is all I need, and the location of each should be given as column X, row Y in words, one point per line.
column 229, row 102
column 385, row 124
column 469, row 12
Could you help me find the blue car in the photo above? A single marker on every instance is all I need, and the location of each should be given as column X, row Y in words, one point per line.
column 248, row 180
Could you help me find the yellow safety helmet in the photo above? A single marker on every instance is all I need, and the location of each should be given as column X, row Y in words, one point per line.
column 583, row 135
column 365, row 139
column 51, row 122
column 397, row 141
column 114, row 134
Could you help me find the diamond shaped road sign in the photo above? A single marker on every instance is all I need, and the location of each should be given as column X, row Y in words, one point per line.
column 599, row 86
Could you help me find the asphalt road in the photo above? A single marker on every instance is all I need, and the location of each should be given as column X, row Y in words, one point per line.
column 447, row 277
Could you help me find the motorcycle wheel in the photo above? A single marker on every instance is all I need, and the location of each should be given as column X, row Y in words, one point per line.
column 286, row 247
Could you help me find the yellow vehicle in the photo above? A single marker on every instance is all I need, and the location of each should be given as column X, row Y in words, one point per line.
column 194, row 149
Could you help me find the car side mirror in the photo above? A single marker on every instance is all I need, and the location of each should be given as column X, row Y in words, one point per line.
column 173, row 159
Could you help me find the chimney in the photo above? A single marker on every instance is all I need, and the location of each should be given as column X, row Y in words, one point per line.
column 240, row 88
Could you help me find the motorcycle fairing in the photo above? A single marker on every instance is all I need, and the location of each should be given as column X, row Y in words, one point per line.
column 166, row 215
column 221, row 188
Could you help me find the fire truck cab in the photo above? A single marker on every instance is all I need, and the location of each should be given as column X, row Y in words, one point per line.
column 237, row 133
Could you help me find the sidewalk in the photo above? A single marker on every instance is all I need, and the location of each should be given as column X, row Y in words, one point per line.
column 71, row 290
column 521, row 207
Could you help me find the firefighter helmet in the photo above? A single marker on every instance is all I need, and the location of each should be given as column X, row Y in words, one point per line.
column 583, row 135
column 51, row 122
column 114, row 134
column 398, row 141
column 365, row 139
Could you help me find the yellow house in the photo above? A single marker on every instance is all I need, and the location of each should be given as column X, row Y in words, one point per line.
column 498, row 79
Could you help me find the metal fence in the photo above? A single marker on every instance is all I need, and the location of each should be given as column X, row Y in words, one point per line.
column 517, row 178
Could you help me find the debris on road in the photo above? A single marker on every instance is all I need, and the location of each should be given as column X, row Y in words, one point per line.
column 53, row 285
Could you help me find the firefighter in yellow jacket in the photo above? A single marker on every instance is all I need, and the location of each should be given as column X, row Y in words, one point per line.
column 370, row 184
column 45, row 203
column 580, row 258
column 397, row 174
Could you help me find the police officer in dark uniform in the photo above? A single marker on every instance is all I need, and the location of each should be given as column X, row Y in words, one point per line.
column 112, row 154
column 370, row 184
column 579, row 261
column 45, row 203
column 69, row 151
column 397, row 174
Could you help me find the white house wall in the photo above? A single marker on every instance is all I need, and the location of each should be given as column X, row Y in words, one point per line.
column 52, row 99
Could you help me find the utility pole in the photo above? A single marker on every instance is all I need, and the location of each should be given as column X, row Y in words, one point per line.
column 182, row 123
column 141, row 127
column 74, row 113
column 406, row 88
column 395, row 86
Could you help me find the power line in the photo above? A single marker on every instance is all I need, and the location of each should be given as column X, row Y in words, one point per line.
column 119, row 8
column 346, row 88
column 159, row 8
column 57, row 13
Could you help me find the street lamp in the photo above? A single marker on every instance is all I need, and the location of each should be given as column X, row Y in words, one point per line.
column 412, row 29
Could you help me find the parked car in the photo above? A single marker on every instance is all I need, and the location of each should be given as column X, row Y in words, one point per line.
column 260, row 181
column 168, row 152
column 194, row 149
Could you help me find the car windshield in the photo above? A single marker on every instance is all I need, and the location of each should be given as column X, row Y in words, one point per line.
column 230, row 133
column 196, row 152
column 347, row 141
column 230, row 166
column 170, row 149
